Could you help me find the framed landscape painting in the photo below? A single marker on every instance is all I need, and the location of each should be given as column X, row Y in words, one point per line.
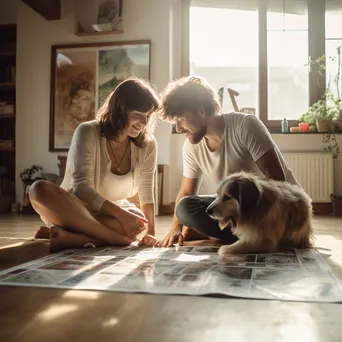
column 83, row 75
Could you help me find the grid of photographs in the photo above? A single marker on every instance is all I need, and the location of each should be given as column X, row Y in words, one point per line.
column 296, row 275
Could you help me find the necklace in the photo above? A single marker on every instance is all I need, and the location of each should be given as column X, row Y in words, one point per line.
column 118, row 164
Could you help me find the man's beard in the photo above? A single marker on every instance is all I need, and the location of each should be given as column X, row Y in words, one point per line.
column 195, row 138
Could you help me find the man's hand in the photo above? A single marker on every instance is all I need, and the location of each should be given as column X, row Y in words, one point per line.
column 174, row 236
column 188, row 188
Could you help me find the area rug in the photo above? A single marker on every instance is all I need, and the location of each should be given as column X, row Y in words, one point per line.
column 295, row 275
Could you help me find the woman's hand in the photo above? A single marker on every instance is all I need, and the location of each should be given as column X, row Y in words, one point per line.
column 132, row 221
column 148, row 241
column 132, row 224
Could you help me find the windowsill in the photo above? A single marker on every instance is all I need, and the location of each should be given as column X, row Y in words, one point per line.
column 291, row 133
column 302, row 133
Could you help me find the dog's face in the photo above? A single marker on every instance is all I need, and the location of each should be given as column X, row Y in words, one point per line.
column 237, row 199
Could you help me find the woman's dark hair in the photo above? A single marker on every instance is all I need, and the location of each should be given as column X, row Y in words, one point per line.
column 131, row 94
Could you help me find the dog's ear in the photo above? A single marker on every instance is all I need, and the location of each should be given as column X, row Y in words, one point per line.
column 233, row 190
column 249, row 196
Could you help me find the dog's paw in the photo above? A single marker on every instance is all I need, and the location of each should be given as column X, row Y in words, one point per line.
column 223, row 250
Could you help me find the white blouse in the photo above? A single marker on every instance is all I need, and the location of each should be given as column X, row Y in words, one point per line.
column 88, row 176
column 116, row 188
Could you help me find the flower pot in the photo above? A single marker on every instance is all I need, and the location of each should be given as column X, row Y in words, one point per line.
column 323, row 125
column 304, row 127
column 26, row 206
column 337, row 126
column 28, row 182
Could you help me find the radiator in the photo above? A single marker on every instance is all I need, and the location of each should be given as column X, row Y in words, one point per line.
column 314, row 171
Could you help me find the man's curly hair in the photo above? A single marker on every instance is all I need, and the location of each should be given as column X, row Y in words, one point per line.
column 188, row 94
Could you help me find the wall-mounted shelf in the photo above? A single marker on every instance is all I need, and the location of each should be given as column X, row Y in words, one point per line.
column 7, row 149
column 97, row 33
column 7, row 116
column 7, row 53
column 7, row 84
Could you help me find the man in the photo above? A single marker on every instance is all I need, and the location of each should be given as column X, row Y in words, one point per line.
column 217, row 145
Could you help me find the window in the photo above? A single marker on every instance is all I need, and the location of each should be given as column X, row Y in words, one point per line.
column 287, row 57
column 261, row 50
column 224, row 50
column 333, row 41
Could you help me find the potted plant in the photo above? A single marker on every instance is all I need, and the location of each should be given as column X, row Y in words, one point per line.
column 326, row 113
column 27, row 178
column 26, row 175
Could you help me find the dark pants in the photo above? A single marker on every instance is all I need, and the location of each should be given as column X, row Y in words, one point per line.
column 190, row 212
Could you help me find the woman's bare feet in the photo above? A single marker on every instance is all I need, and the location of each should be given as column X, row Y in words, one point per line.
column 190, row 235
column 42, row 233
column 61, row 239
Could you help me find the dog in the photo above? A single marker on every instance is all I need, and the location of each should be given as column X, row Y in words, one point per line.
column 265, row 215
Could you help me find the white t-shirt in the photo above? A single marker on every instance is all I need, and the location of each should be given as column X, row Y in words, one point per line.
column 246, row 139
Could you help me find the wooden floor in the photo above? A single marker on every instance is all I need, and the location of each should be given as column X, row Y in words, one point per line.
column 36, row 314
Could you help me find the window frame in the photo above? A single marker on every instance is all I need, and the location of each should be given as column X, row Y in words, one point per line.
column 316, row 48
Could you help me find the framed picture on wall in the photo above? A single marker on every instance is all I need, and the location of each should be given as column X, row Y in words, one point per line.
column 98, row 15
column 83, row 75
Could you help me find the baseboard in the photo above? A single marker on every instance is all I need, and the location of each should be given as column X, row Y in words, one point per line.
column 167, row 209
column 322, row 208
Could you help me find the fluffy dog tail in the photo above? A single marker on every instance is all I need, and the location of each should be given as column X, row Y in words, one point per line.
column 303, row 238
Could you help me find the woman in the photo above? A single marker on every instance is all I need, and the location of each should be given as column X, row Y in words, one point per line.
column 110, row 159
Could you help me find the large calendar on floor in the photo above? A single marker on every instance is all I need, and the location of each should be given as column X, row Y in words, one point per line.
column 297, row 275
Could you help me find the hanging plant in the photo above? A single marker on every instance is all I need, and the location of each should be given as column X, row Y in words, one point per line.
column 331, row 145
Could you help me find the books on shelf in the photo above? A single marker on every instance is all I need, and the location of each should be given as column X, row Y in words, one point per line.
column 6, row 143
column 6, row 108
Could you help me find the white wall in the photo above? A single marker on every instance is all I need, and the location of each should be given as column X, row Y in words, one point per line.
column 157, row 20
column 143, row 19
